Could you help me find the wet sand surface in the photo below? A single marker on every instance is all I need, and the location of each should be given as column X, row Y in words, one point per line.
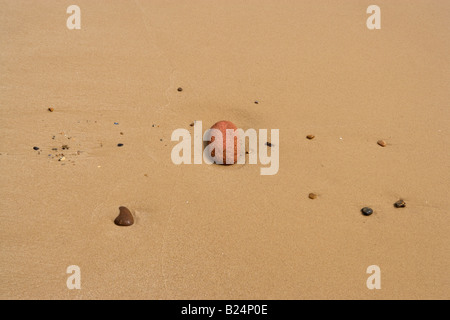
column 224, row 232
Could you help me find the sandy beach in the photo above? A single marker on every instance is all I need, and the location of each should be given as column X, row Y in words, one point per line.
column 224, row 232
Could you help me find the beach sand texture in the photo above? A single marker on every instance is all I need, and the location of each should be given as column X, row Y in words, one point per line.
column 224, row 232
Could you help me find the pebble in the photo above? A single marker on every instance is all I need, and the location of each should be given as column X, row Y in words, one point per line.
column 62, row 159
column 55, row 149
column 35, row 148
column 121, row 133
column 180, row 89
column 400, row 204
column 366, row 211
column 192, row 124
column 51, row 109
column 116, row 123
column 256, row 102
column 310, row 136
column 268, row 144
column 220, row 154
column 382, row 143
column 120, row 144
column 312, row 195
column 125, row 218
column 65, row 147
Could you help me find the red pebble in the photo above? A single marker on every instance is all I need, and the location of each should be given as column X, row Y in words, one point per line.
column 220, row 152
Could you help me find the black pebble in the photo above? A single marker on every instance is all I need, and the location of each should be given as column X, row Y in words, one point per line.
column 35, row 148
column 366, row 211
column 120, row 144
column 400, row 204
column 268, row 144
column 180, row 89
column 256, row 102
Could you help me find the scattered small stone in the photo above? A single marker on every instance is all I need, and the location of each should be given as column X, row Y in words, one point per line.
column 125, row 218
column 53, row 137
column 268, row 144
column 120, row 144
column 192, row 124
column 116, row 123
column 62, row 159
column 366, row 211
column 312, row 195
column 180, row 89
column 153, row 125
column 55, row 149
column 65, row 147
column 145, row 175
column 382, row 143
column 310, row 136
column 51, row 109
column 36, row 148
column 160, row 139
column 400, row 204
column 78, row 152
column 256, row 102
column 121, row 133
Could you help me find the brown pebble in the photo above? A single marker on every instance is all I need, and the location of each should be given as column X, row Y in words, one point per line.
column 310, row 136
column 121, row 133
column 400, row 204
column 312, row 195
column 180, row 89
column 382, row 143
column 65, row 147
column 125, row 218
column 192, row 124
column 51, row 109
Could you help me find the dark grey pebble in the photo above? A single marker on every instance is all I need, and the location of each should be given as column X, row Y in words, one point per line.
column 35, row 148
column 400, row 204
column 366, row 211
column 120, row 144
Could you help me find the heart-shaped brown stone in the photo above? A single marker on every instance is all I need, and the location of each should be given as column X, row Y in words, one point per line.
column 125, row 218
